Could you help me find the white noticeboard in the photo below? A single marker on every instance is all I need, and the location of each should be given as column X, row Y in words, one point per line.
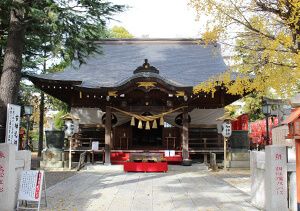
column 167, row 153
column 227, row 131
column 13, row 124
column 95, row 145
column 31, row 185
column 172, row 153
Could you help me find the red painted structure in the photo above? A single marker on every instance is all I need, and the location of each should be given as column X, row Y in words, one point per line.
column 145, row 167
column 122, row 156
column 293, row 122
column 241, row 123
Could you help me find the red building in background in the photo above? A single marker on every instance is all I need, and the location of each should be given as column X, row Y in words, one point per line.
column 257, row 129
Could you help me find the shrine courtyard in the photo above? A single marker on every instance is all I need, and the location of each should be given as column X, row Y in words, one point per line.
column 181, row 188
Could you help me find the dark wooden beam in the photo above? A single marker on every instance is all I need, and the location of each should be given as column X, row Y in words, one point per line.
column 185, row 136
column 108, row 141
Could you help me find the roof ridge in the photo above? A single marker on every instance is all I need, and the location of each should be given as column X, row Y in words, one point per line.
column 118, row 41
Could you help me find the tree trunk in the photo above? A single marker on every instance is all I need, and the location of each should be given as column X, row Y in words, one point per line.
column 41, row 124
column 12, row 64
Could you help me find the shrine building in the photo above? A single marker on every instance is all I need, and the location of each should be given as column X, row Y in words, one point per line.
column 137, row 96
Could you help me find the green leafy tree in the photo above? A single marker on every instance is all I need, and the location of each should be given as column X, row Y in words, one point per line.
column 58, row 121
column 253, row 106
column 33, row 32
column 119, row 32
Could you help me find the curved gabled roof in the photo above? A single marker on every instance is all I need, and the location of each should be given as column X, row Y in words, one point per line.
column 184, row 62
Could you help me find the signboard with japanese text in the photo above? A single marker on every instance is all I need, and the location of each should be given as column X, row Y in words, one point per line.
column 226, row 129
column 31, row 184
column 13, row 124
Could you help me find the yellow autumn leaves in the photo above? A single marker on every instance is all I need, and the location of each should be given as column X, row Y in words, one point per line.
column 264, row 44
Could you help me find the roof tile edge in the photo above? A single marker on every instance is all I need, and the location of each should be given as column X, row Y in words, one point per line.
column 152, row 41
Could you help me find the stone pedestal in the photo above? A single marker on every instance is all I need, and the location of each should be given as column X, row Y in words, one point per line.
column 12, row 163
column 52, row 158
column 257, row 176
column 239, row 159
column 186, row 162
column 7, row 177
column 276, row 178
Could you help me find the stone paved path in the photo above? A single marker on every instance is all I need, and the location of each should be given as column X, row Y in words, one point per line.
column 183, row 188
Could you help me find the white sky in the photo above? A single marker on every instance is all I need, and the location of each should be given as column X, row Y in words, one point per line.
column 159, row 18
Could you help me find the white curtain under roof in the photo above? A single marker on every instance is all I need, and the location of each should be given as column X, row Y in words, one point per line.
column 198, row 116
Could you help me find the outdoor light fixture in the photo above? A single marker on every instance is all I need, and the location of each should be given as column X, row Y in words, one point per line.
column 28, row 112
column 266, row 110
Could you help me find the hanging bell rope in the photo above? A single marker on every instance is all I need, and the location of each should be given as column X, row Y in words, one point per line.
column 149, row 118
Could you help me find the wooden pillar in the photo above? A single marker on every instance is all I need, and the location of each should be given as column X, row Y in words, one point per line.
column 225, row 153
column 108, row 141
column 297, row 143
column 185, row 138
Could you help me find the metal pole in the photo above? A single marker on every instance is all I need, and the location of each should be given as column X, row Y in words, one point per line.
column 225, row 153
column 27, row 130
column 267, row 130
column 70, row 153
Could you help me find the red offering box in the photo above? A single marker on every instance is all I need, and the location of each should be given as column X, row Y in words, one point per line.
column 146, row 166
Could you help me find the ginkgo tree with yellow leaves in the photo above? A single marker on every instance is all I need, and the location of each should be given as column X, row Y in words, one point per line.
column 264, row 39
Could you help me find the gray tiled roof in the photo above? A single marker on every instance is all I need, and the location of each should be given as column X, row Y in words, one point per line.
column 181, row 62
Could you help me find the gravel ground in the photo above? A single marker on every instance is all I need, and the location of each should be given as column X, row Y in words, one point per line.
column 239, row 178
column 53, row 177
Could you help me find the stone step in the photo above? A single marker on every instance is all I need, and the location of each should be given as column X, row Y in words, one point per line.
column 52, row 155
column 51, row 164
column 239, row 164
column 101, row 167
column 193, row 167
column 239, row 156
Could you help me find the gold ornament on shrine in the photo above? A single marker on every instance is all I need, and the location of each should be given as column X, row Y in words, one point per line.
column 147, row 84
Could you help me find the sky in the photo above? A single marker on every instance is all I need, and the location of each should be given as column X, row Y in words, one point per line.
column 158, row 19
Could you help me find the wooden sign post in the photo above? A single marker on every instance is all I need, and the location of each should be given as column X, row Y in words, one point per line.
column 226, row 132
